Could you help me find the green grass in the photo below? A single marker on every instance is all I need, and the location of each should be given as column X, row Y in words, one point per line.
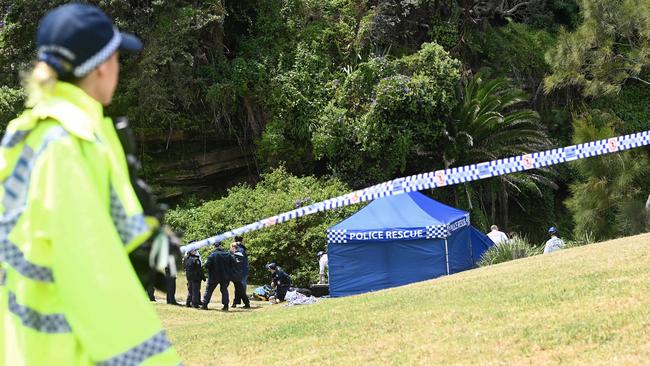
column 588, row 305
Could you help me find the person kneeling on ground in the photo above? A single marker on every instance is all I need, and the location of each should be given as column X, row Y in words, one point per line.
column 281, row 281
column 237, row 270
column 554, row 243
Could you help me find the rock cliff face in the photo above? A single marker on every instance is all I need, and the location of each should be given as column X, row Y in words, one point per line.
column 193, row 168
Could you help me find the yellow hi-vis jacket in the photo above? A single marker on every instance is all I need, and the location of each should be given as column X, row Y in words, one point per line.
column 68, row 218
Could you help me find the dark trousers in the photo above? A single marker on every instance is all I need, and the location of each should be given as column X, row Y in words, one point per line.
column 193, row 293
column 171, row 289
column 150, row 293
column 240, row 294
column 223, row 286
column 281, row 292
column 244, row 281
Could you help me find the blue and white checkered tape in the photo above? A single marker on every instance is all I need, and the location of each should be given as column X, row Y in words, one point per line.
column 441, row 178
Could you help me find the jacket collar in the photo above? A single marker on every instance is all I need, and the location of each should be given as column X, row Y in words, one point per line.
column 77, row 112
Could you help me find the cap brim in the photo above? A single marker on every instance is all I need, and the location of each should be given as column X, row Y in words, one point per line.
column 130, row 43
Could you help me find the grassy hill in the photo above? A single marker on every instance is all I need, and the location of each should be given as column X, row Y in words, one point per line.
column 587, row 305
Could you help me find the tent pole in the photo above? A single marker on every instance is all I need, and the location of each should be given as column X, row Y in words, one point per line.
column 447, row 255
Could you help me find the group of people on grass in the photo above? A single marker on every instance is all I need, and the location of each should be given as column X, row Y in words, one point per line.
column 224, row 267
column 553, row 244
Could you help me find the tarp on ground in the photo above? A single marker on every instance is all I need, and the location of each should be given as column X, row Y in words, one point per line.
column 398, row 240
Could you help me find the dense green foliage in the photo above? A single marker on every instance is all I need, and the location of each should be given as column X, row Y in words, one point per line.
column 611, row 46
column 491, row 122
column 386, row 115
column 292, row 245
column 369, row 90
column 609, row 199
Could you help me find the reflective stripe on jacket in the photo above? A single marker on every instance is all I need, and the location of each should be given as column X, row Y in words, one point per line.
column 68, row 218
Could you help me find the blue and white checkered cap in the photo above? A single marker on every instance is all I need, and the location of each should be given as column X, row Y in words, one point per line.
column 76, row 38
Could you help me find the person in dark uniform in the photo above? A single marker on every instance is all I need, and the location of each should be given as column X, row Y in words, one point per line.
column 240, row 290
column 150, row 293
column 242, row 249
column 171, row 287
column 194, row 274
column 219, row 266
column 281, row 281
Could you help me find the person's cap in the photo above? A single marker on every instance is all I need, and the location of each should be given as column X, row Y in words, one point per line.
column 320, row 254
column 552, row 230
column 76, row 38
column 272, row 266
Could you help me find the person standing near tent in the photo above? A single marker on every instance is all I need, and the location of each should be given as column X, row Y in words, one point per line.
column 323, row 267
column 280, row 280
column 70, row 216
column 554, row 243
column 497, row 236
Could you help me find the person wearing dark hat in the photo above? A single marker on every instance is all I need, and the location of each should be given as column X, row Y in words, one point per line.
column 219, row 266
column 554, row 243
column 280, row 280
column 69, row 213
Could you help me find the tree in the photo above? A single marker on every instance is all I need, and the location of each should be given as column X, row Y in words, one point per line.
column 611, row 46
column 388, row 116
column 608, row 199
column 489, row 123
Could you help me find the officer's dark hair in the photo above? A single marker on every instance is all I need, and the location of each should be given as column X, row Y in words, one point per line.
column 238, row 238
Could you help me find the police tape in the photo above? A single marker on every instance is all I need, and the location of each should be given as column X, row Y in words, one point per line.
column 442, row 178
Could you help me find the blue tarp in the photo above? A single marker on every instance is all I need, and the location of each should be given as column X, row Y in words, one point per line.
column 398, row 240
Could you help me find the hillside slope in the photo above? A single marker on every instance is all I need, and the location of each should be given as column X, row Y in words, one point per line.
column 587, row 305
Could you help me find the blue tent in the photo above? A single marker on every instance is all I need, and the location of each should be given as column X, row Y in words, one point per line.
column 398, row 240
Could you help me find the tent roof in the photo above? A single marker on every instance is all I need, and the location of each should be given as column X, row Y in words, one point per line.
column 402, row 211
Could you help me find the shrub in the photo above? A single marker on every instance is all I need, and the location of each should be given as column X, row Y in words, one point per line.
column 514, row 249
column 292, row 245
column 584, row 239
column 11, row 101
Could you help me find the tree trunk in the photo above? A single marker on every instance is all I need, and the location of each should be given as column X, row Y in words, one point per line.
column 504, row 207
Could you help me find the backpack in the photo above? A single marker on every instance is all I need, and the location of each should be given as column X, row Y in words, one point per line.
column 263, row 292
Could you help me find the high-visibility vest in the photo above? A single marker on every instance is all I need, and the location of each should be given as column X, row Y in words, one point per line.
column 68, row 218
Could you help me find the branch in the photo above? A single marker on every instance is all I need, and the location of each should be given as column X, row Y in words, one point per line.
column 514, row 8
column 641, row 80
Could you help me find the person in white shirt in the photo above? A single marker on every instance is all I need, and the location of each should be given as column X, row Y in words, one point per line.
column 554, row 243
column 497, row 236
column 323, row 267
